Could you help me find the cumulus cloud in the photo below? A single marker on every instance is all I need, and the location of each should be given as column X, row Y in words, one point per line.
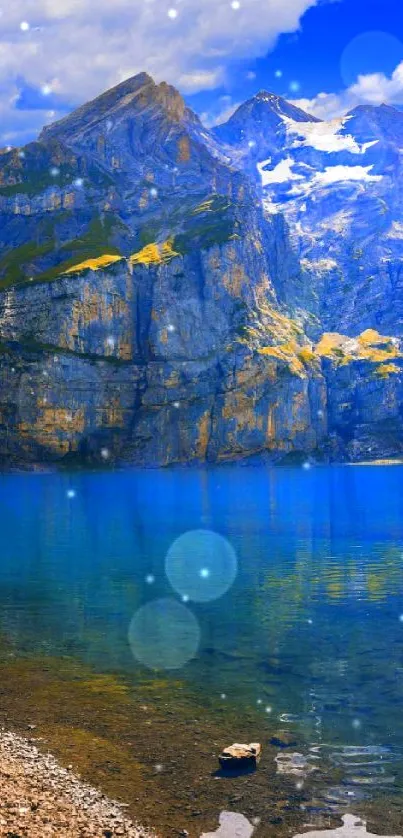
column 224, row 109
column 81, row 48
column 371, row 89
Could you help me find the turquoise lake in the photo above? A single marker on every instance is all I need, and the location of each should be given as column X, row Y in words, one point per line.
column 310, row 630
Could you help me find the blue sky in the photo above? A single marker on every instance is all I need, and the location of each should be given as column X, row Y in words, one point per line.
column 328, row 55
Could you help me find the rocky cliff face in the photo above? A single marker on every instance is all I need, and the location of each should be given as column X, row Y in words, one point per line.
column 154, row 309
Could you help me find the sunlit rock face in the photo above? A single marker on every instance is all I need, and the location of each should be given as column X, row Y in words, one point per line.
column 153, row 305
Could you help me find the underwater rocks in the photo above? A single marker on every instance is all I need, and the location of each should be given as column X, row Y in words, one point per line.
column 353, row 827
column 283, row 739
column 240, row 756
column 231, row 824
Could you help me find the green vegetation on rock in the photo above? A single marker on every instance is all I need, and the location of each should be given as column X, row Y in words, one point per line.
column 18, row 264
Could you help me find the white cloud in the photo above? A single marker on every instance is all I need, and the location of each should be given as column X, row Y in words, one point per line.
column 17, row 126
column 211, row 119
column 81, row 48
column 371, row 89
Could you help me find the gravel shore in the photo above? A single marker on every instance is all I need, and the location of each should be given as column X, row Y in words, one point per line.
column 40, row 798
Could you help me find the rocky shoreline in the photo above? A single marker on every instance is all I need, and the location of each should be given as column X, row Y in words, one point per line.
column 39, row 797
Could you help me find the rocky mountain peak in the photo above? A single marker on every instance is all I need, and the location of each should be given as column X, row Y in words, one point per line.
column 264, row 114
column 135, row 97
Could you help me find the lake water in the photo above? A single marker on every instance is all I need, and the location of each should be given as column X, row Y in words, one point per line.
column 297, row 614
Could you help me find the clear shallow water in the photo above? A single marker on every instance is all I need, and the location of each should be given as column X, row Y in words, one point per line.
column 309, row 629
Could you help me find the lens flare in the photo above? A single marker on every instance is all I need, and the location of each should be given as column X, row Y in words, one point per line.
column 164, row 634
column 202, row 565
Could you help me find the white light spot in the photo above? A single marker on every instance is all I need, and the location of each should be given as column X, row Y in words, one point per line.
column 223, row 696
column 46, row 90
column 54, row 171
column 71, row 493
column 78, row 182
column 252, row 143
column 356, row 724
column 170, row 327
column 204, row 573
column 176, row 405
column 105, row 453
column 306, row 466
column 299, row 785
column 401, row 618
column 21, row 155
column 172, row 13
column 159, row 768
column 278, row 74
column 295, row 86
column 153, row 192
column 259, row 701
column 185, row 598
column 269, row 709
column 310, row 622
column 24, row 26
column 150, row 579
column 235, row 5
column 320, row 412
column 110, row 342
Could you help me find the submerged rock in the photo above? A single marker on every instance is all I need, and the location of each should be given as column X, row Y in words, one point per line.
column 240, row 756
column 283, row 739
column 294, row 764
column 231, row 824
column 353, row 827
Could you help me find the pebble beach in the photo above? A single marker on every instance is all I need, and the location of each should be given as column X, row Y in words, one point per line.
column 38, row 797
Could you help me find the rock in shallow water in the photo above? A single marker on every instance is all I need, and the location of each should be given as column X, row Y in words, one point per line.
column 240, row 756
column 353, row 827
column 283, row 739
column 231, row 824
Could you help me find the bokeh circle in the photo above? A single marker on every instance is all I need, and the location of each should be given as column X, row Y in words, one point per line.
column 370, row 52
column 201, row 565
column 164, row 634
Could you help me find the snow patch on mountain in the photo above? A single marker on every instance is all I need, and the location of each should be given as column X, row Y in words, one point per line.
column 337, row 174
column 280, row 174
column 396, row 230
column 325, row 136
column 319, row 265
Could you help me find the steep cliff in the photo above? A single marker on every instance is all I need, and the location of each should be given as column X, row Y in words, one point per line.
column 153, row 312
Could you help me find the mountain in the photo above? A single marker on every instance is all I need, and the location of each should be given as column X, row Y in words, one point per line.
column 170, row 294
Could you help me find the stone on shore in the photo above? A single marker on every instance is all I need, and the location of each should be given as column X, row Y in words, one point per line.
column 240, row 756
